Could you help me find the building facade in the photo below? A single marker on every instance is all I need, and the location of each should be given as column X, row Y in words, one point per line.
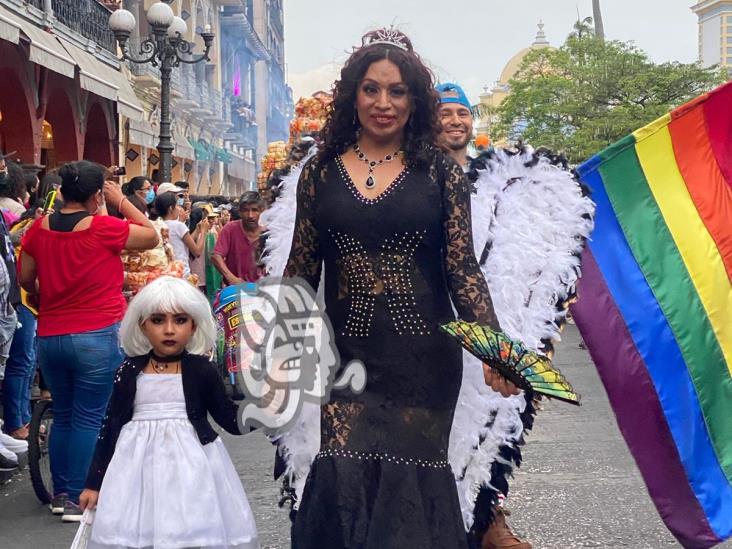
column 221, row 108
column 273, row 99
column 715, row 32
column 200, row 117
column 241, row 50
column 63, row 90
column 67, row 96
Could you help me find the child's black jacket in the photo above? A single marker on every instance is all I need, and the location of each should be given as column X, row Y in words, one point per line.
column 204, row 392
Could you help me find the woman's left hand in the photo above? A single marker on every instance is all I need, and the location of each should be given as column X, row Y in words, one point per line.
column 113, row 193
column 499, row 383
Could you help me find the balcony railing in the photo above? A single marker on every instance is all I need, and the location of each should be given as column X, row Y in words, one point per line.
column 216, row 103
column 189, row 87
column 37, row 3
column 275, row 19
column 226, row 106
column 88, row 18
column 243, row 132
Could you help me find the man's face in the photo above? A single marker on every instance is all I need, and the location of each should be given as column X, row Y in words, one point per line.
column 249, row 214
column 456, row 123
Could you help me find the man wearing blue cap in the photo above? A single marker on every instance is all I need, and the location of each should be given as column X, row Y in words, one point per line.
column 456, row 120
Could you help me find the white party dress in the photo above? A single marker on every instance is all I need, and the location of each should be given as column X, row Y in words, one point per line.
column 163, row 489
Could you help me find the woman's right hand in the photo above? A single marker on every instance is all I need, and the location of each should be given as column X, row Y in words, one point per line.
column 499, row 383
column 88, row 499
column 113, row 193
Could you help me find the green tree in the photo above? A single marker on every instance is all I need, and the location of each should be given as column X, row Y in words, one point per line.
column 589, row 93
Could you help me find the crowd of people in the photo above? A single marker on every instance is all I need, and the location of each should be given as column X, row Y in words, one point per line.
column 122, row 329
column 68, row 243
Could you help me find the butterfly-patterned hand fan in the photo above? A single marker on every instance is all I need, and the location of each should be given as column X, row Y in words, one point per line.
column 525, row 369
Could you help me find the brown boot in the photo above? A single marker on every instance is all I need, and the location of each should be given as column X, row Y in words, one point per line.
column 500, row 536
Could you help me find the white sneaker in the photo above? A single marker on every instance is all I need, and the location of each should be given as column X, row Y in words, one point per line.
column 13, row 444
column 8, row 460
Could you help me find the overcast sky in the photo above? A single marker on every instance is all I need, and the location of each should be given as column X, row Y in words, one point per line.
column 470, row 41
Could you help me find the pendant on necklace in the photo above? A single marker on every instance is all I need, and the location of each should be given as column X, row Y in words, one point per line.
column 370, row 183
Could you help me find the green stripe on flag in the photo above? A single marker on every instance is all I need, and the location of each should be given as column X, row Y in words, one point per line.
column 660, row 261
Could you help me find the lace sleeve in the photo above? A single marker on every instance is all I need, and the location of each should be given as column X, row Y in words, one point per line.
column 305, row 260
column 467, row 284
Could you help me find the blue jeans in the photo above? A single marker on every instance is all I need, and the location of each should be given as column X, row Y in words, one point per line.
column 19, row 371
column 79, row 370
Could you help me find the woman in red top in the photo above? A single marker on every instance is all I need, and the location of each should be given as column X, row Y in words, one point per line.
column 70, row 262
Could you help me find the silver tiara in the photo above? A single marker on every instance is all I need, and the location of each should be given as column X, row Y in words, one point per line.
column 390, row 36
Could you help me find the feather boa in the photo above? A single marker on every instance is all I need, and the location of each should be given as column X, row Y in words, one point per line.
column 279, row 219
column 301, row 443
column 534, row 217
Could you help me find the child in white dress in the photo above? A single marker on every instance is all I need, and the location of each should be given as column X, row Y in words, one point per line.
column 161, row 477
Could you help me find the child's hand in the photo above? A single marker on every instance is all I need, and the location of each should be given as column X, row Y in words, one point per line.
column 88, row 499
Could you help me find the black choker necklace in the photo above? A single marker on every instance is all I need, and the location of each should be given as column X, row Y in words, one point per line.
column 166, row 359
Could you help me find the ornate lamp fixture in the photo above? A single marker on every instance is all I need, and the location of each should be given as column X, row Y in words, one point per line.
column 166, row 48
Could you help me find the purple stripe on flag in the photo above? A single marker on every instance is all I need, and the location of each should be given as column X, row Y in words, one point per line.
column 637, row 409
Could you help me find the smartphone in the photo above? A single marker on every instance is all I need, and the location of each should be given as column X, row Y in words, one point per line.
column 120, row 171
column 50, row 199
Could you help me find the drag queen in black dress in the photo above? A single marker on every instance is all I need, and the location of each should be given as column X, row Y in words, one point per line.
column 388, row 216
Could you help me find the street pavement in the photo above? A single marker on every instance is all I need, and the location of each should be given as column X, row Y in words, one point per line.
column 578, row 486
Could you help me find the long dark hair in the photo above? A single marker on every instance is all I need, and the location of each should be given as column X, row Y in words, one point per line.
column 162, row 205
column 134, row 184
column 13, row 186
column 46, row 186
column 81, row 180
column 341, row 126
column 197, row 215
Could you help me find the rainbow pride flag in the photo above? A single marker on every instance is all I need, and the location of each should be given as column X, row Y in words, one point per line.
column 655, row 308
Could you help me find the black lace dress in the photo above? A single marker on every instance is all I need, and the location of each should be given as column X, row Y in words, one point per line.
column 392, row 265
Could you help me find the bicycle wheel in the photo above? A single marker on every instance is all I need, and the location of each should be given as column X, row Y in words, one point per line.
column 39, row 463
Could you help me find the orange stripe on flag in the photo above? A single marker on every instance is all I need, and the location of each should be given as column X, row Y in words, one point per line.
column 704, row 180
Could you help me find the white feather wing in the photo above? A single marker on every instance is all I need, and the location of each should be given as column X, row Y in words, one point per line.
column 534, row 217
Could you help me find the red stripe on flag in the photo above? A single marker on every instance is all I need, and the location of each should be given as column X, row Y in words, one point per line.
column 704, row 180
column 718, row 114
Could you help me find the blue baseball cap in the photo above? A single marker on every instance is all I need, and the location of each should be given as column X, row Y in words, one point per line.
column 452, row 93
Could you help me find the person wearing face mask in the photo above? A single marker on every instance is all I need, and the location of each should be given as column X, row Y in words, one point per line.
column 181, row 200
column 80, row 304
column 140, row 192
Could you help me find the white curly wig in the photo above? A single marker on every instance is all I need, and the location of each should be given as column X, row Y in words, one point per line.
column 168, row 295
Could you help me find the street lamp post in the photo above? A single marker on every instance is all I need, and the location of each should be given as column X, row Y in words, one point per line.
column 166, row 48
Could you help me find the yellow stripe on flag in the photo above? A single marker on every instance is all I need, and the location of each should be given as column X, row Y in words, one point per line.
column 696, row 246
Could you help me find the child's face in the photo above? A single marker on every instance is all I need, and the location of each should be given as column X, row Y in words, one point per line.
column 168, row 333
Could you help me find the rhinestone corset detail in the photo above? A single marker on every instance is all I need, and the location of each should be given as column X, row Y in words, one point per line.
column 389, row 273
